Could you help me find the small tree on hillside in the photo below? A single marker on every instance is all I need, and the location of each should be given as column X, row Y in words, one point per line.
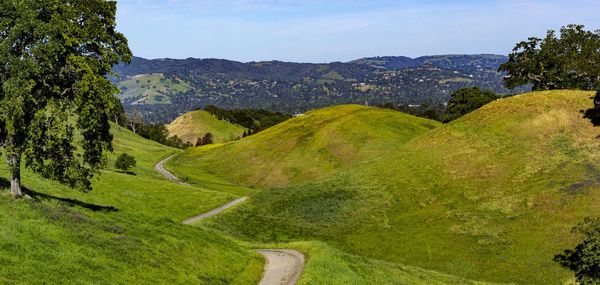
column 568, row 61
column 55, row 58
column 584, row 259
column 125, row 162
column 207, row 139
column 467, row 100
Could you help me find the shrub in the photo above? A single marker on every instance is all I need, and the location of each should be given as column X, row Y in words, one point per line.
column 125, row 162
column 584, row 259
column 207, row 139
column 467, row 100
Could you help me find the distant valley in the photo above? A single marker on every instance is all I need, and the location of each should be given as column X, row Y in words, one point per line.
column 163, row 89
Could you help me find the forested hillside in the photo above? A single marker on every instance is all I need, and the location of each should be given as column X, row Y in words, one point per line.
column 188, row 84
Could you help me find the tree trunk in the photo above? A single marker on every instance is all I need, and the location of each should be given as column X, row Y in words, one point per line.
column 14, row 162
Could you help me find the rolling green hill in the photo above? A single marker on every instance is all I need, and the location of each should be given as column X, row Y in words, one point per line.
column 126, row 231
column 193, row 125
column 150, row 89
column 313, row 146
column 491, row 196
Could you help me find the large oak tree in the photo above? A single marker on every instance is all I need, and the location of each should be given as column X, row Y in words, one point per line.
column 55, row 56
column 570, row 60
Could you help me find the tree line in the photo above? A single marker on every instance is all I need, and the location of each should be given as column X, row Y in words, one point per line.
column 255, row 120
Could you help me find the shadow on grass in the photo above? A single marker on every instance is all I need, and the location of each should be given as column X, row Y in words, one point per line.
column 593, row 114
column 4, row 183
column 126, row 172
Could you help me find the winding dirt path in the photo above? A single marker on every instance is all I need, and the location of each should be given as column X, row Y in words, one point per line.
column 214, row 212
column 160, row 167
column 283, row 266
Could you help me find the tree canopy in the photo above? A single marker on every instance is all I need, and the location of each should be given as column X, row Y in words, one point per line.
column 570, row 60
column 56, row 55
column 125, row 162
column 584, row 259
column 467, row 100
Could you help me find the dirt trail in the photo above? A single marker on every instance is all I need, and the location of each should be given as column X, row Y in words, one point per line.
column 283, row 266
column 160, row 167
column 215, row 211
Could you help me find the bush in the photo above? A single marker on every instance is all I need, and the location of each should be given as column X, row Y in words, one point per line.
column 584, row 259
column 125, row 162
column 467, row 100
column 207, row 139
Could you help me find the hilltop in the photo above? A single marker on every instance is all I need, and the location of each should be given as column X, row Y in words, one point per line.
column 315, row 145
column 491, row 196
column 193, row 125
column 291, row 87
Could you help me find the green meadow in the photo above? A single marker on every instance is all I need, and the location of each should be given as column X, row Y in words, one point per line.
column 127, row 230
column 491, row 196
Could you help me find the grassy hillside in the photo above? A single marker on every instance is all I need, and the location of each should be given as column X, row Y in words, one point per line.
column 127, row 230
column 190, row 126
column 151, row 89
column 313, row 146
column 328, row 265
column 491, row 196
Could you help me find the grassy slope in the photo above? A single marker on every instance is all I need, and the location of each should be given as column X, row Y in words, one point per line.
column 491, row 196
column 190, row 126
column 315, row 146
column 151, row 88
column 67, row 237
column 327, row 265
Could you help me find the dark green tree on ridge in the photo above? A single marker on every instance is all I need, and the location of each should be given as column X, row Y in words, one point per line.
column 55, row 56
column 568, row 61
column 466, row 100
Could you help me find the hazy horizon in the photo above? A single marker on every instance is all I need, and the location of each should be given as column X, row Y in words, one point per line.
column 339, row 30
column 311, row 62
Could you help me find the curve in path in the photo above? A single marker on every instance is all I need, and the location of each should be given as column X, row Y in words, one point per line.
column 283, row 266
column 215, row 211
column 160, row 167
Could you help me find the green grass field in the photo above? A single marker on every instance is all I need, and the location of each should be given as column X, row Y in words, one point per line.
column 491, row 196
column 151, row 88
column 193, row 125
column 126, row 231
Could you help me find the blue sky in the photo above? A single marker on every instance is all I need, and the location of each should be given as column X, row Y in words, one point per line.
column 339, row 30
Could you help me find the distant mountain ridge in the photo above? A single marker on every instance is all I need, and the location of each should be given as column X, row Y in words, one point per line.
column 459, row 62
column 297, row 87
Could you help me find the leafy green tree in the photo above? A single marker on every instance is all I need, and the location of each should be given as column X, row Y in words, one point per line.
column 584, row 259
column 55, row 56
column 467, row 100
column 125, row 162
column 568, row 61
